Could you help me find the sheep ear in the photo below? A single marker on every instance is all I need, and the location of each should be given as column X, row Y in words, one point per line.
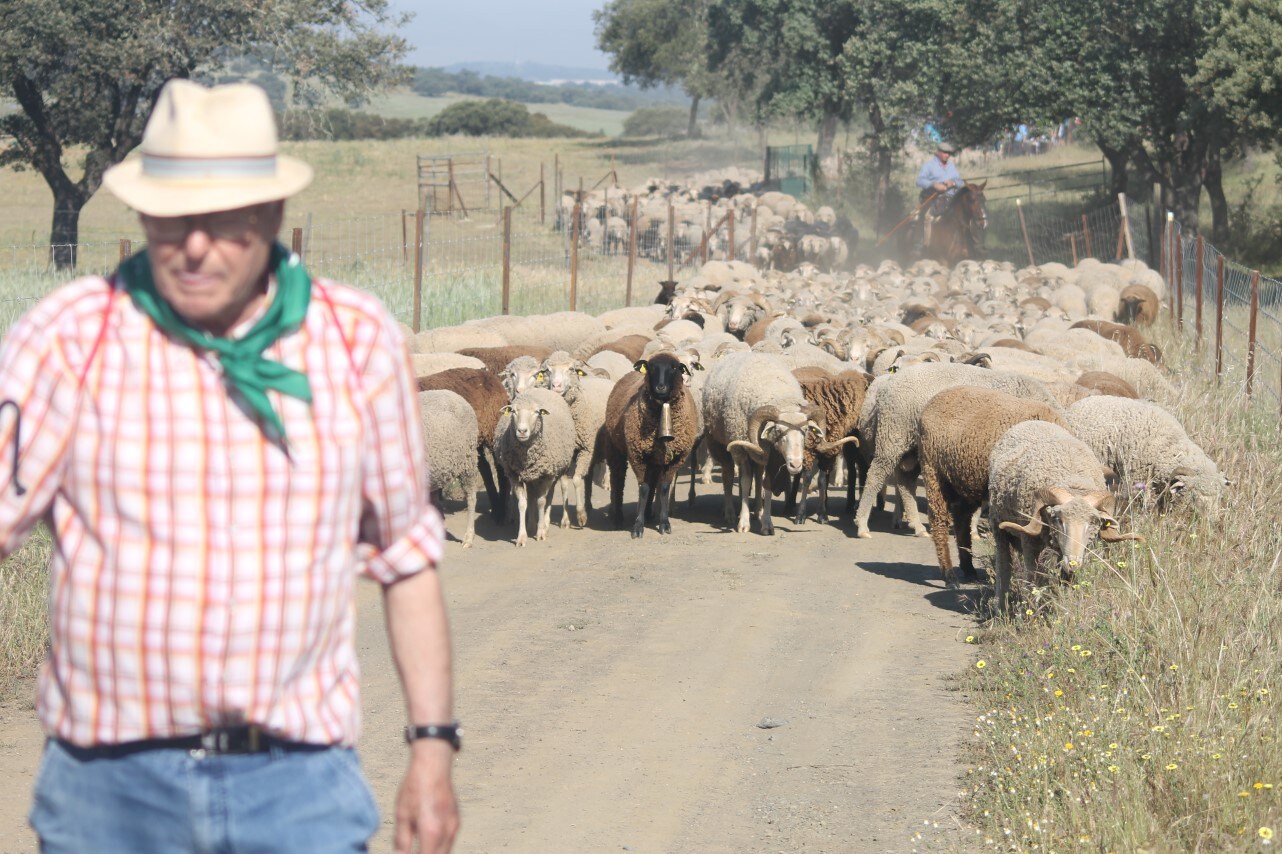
column 640, row 366
column 542, row 411
column 507, row 410
column 600, row 372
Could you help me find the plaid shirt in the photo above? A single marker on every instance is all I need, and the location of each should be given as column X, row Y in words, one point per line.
column 201, row 575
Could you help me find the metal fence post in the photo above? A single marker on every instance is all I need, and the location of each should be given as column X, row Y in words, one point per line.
column 542, row 196
column 574, row 254
column 707, row 229
column 1250, row 339
column 1200, row 275
column 1168, row 262
column 672, row 218
column 507, row 259
column 1178, row 246
column 296, row 244
column 1219, row 316
column 1023, row 227
column 418, row 269
column 752, row 237
column 405, row 238
column 126, row 248
column 632, row 250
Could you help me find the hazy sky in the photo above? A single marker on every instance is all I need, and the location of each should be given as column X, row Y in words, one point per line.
column 546, row 31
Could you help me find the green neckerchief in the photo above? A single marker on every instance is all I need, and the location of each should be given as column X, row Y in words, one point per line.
column 242, row 359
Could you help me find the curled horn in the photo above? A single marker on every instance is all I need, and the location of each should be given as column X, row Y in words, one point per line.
column 1101, row 501
column 1034, row 526
column 1109, row 533
column 831, row 447
column 754, row 450
column 722, row 298
column 759, row 300
column 758, row 418
column 1053, row 496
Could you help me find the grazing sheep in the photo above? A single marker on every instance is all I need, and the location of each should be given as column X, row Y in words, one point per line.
column 1147, row 379
column 487, row 397
column 1045, row 489
column 1106, row 383
column 1133, row 342
column 587, row 396
column 496, row 359
column 959, row 427
column 895, row 423
column 632, row 436
column 535, row 445
column 1148, row 449
column 1138, row 305
column 751, row 400
column 450, row 439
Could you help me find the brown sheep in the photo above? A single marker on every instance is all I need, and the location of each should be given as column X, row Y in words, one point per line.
column 838, row 398
column 496, row 359
column 1106, row 383
column 631, row 437
column 757, row 331
column 631, row 346
column 1137, row 306
column 1040, row 303
column 959, row 427
column 487, row 396
column 1013, row 344
column 1133, row 342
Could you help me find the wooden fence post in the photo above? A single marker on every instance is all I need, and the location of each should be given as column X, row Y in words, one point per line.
column 752, row 237
column 632, row 250
column 542, row 196
column 1250, row 338
column 574, row 254
column 1023, row 227
column 1199, row 272
column 1072, row 244
column 707, row 228
column 507, row 259
column 126, row 248
column 418, row 269
column 730, row 233
column 1086, row 235
column 1126, row 225
column 486, row 181
column 296, row 242
column 405, row 238
column 1178, row 245
column 1168, row 262
column 1219, row 316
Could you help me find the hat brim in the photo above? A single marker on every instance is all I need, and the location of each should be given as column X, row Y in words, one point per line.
column 172, row 197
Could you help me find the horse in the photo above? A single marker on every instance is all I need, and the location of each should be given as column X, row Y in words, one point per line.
column 959, row 232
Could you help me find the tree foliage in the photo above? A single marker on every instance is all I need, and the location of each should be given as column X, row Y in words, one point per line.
column 86, row 73
column 496, row 117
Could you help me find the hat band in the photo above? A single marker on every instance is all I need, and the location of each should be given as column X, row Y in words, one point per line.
column 160, row 166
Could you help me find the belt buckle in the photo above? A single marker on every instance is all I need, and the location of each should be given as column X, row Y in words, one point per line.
column 220, row 741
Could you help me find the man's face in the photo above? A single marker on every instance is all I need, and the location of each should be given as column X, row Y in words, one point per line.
column 212, row 267
column 943, row 156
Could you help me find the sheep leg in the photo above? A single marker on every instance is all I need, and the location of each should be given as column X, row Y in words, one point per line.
column 790, row 500
column 643, row 496
column 583, row 488
column 567, row 487
column 745, row 497
column 543, row 508
column 522, row 504
column 505, row 494
column 855, row 473
column 963, row 515
column 1001, row 570
column 804, row 487
column 667, row 480
column 1029, row 548
column 824, row 481
column 763, row 502
column 940, row 518
column 907, row 491
column 470, row 532
column 879, row 472
column 618, row 471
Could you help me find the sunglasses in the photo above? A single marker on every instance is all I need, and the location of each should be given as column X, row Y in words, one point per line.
column 221, row 225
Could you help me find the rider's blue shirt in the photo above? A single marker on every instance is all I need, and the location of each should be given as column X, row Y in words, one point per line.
column 933, row 172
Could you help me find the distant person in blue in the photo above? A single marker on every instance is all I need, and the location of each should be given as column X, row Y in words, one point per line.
column 938, row 177
column 1021, row 139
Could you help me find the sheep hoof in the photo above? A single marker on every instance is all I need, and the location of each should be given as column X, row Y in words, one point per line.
column 520, row 542
column 565, row 520
column 799, row 519
column 920, row 532
column 583, row 518
column 951, row 583
column 665, row 527
column 768, row 530
column 741, row 529
column 864, row 535
column 637, row 531
column 822, row 518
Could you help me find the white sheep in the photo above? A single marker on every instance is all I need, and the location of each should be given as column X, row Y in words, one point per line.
column 1045, row 488
column 534, row 443
column 450, row 439
column 587, row 396
column 1147, row 448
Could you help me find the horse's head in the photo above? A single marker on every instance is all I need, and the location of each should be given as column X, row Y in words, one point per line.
column 971, row 200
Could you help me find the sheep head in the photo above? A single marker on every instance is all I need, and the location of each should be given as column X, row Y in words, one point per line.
column 1070, row 520
column 787, row 430
column 664, row 376
column 526, row 420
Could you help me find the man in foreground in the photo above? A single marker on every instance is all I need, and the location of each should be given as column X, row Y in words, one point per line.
column 219, row 444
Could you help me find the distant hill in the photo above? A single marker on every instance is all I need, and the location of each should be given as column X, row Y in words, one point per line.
column 537, row 72
column 437, row 82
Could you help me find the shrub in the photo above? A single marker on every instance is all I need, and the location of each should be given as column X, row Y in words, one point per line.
column 496, row 117
column 670, row 122
column 339, row 124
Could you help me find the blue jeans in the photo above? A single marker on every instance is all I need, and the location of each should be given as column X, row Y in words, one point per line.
column 167, row 800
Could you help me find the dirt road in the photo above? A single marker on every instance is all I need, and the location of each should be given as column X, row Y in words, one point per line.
column 616, row 694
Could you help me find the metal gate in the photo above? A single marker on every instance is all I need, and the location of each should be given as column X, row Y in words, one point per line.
column 789, row 167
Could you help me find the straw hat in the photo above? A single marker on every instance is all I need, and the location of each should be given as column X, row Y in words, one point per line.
column 946, row 147
column 205, row 150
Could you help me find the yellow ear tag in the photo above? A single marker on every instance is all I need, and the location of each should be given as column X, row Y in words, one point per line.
column 641, row 369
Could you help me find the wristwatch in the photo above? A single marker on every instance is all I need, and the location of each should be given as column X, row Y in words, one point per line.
column 446, row 732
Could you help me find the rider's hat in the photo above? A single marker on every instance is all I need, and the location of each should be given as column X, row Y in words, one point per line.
column 946, row 147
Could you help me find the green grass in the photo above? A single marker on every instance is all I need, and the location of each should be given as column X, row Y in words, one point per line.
column 24, row 632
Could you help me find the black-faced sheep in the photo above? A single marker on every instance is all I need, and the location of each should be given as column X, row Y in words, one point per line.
column 640, row 435
column 1148, row 449
column 535, row 444
column 752, row 401
column 450, row 439
column 959, row 427
column 1045, row 489
column 1138, row 305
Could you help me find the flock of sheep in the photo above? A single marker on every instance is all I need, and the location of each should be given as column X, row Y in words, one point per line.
column 1033, row 392
column 787, row 232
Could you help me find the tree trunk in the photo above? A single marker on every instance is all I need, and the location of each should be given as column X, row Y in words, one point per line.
column 1219, row 204
column 827, row 136
column 882, row 163
column 1119, row 160
column 692, row 128
column 64, row 236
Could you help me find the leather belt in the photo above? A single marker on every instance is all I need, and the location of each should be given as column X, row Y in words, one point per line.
column 220, row 741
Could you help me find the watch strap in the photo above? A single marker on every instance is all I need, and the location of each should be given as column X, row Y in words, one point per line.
column 451, row 733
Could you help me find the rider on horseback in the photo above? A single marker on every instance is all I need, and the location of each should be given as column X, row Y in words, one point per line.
column 938, row 177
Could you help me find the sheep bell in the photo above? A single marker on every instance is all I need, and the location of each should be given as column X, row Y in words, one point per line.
column 665, row 422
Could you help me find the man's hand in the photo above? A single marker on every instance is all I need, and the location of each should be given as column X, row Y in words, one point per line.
column 425, row 805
